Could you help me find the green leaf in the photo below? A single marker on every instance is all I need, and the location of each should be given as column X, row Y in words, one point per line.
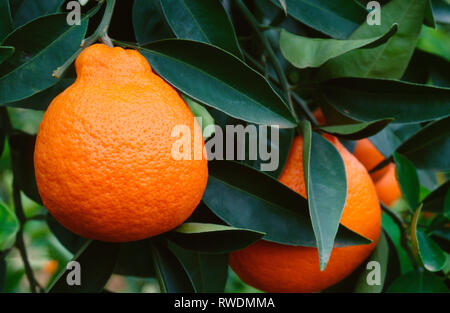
column 356, row 131
column 435, row 201
column 407, row 179
column 380, row 255
column 97, row 260
column 390, row 138
column 418, row 282
column 283, row 5
column 5, row 52
column 170, row 272
column 441, row 9
column 246, row 198
column 2, row 272
column 426, row 147
column 30, row 69
column 390, row 59
column 5, row 19
column 303, row 52
column 32, row 9
column 206, row 119
column 326, row 184
column 213, row 238
column 148, row 21
column 367, row 99
column 135, row 259
column 337, row 18
column 9, row 226
column 432, row 256
column 429, row 15
column 229, row 85
column 22, row 152
column 207, row 272
column 435, row 41
column 202, row 20
column 72, row 242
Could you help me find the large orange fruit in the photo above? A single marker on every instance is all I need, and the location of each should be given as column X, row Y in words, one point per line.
column 274, row 267
column 369, row 156
column 387, row 187
column 103, row 160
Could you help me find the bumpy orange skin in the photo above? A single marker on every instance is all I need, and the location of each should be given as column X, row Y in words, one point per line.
column 369, row 156
column 103, row 161
column 280, row 268
column 387, row 187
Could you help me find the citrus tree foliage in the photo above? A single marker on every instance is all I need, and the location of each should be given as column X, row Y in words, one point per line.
column 267, row 62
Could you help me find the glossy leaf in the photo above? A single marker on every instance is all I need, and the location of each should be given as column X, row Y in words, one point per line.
column 356, row 131
column 426, row 153
column 202, row 20
column 22, row 151
column 207, row 272
column 206, row 119
column 375, row 99
column 97, row 260
column 441, row 10
column 432, row 256
column 9, row 226
column 229, row 85
column 212, row 238
column 135, row 259
column 30, row 69
column 5, row 19
column 435, row 201
column 170, row 272
column 418, row 282
column 72, row 242
column 336, row 18
column 148, row 21
column 390, row 59
column 391, row 137
column 323, row 163
column 246, row 198
column 380, row 255
column 5, row 52
column 32, row 9
column 303, row 52
column 429, row 15
column 408, row 180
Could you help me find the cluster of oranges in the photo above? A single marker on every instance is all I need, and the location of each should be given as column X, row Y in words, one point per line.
column 104, row 170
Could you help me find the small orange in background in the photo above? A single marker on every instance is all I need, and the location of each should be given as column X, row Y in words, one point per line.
column 50, row 267
column 387, row 187
column 275, row 267
column 370, row 157
column 103, row 156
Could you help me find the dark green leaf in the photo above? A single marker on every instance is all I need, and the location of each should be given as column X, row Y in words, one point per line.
column 206, row 121
column 390, row 138
column 303, row 52
column 408, row 180
column 148, row 21
column 212, row 238
column 5, row 19
column 376, row 99
column 427, row 147
column 356, row 131
column 9, row 226
column 22, row 152
column 97, row 260
column 323, row 163
column 135, row 259
column 202, row 20
column 170, row 272
column 435, row 201
column 2, row 272
column 390, row 59
column 246, row 198
column 418, row 282
column 380, row 255
column 338, row 18
column 207, row 272
column 432, row 256
column 37, row 55
column 441, row 10
column 31, row 9
column 429, row 15
column 5, row 52
column 69, row 240
column 229, row 85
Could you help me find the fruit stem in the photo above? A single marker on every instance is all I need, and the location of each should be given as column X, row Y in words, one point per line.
column 273, row 58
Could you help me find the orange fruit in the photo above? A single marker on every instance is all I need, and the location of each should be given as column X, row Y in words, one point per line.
column 387, row 187
column 369, row 156
column 275, row 267
column 103, row 159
